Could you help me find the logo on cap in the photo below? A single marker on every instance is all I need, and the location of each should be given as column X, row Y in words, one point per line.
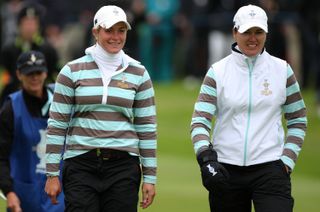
column 115, row 12
column 252, row 13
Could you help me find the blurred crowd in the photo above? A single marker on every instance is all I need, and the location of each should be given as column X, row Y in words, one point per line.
column 174, row 39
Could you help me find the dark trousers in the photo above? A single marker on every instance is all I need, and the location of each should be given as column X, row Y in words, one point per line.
column 101, row 182
column 267, row 185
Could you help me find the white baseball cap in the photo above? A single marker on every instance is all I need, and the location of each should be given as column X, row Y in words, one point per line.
column 109, row 15
column 250, row 16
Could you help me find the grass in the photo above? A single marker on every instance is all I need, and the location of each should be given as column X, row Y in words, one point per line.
column 179, row 186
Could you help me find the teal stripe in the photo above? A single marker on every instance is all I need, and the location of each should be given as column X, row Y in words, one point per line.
column 295, row 148
column 102, row 125
column 147, row 144
column 292, row 89
column 200, row 144
column 199, row 131
column 100, row 142
column 205, row 107
column 122, row 93
column 302, row 120
column 205, row 89
column 289, row 71
column 60, row 108
column 64, row 90
column 88, row 74
column 89, row 91
column 211, row 74
column 296, row 132
column 149, row 179
column 202, row 120
column 146, row 94
column 145, row 128
column 149, row 162
column 53, row 158
column 145, row 112
column 55, row 139
column 293, row 107
column 288, row 161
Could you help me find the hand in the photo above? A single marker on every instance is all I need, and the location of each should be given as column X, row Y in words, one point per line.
column 213, row 174
column 13, row 202
column 148, row 194
column 53, row 188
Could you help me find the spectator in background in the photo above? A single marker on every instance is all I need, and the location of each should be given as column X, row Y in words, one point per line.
column 23, row 123
column 158, row 38
column 29, row 38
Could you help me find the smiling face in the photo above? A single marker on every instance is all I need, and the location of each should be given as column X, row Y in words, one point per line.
column 251, row 42
column 112, row 39
column 33, row 82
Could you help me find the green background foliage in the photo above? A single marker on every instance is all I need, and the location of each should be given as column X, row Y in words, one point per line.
column 179, row 185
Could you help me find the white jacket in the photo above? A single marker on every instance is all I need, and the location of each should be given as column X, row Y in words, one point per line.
column 248, row 97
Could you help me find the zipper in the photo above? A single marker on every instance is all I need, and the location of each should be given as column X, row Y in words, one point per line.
column 250, row 66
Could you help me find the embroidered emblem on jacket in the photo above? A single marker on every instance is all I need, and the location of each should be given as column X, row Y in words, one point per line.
column 266, row 90
column 123, row 83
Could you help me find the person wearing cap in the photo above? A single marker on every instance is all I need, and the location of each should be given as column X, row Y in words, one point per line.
column 29, row 37
column 103, row 115
column 23, row 122
column 249, row 157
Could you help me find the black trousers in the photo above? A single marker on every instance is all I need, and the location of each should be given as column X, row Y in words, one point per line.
column 266, row 185
column 107, row 181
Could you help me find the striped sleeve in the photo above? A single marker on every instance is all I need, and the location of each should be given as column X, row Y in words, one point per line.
column 295, row 114
column 204, row 110
column 145, row 125
column 59, row 117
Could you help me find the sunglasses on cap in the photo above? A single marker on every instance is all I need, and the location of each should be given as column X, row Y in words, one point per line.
column 38, row 62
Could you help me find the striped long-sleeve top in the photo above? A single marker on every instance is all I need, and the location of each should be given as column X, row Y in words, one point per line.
column 86, row 113
column 248, row 97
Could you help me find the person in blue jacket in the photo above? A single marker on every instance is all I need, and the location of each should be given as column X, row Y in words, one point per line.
column 23, row 123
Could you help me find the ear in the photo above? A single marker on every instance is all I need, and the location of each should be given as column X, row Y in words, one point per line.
column 18, row 73
column 95, row 32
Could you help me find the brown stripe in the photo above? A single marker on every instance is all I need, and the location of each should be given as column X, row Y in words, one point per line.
column 293, row 98
column 135, row 70
column 60, row 116
column 118, row 101
column 149, row 171
column 64, row 80
column 144, row 103
column 57, row 97
column 147, row 135
column 145, row 120
column 210, row 82
column 100, row 115
column 87, row 100
column 291, row 80
column 207, row 98
column 82, row 66
column 295, row 140
column 297, row 114
column 56, row 131
column 101, row 133
column 145, row 86
column 54, row 148
column 52, row 167
column 149, row 153
column 289, row 153
column 299, row 126
column 199, row 125
column 89, row 82
column 206, row 115
column 200, row 137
